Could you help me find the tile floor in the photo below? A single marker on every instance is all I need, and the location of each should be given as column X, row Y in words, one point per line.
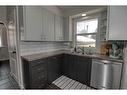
column 6, row 80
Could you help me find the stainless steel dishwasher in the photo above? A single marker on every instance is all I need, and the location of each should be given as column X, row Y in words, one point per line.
column 105, row 74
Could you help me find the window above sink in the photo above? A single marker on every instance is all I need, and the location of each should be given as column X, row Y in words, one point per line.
column 86, row 32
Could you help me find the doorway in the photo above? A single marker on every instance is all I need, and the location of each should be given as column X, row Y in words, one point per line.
column 7, row 81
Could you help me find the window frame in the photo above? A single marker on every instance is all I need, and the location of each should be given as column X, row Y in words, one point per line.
column 84, row 34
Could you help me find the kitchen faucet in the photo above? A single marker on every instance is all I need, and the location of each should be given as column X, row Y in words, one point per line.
column 82, row 49
column 89, row 51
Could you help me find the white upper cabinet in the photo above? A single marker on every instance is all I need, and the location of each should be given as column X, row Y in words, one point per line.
column 117, row 23
column 67, row 23
column 42, row 24
column 59, row 36
column 48, row 25
column 33, row 23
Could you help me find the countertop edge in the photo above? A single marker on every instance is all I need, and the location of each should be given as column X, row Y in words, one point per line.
column 54, row 53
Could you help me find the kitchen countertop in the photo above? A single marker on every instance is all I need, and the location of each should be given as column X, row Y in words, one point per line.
column 57, row 52
column 42, row 55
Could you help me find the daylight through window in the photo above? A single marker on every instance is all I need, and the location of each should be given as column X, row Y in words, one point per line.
column 86, row 33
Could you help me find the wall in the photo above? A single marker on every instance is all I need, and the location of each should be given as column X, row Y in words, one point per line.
column 27, row 48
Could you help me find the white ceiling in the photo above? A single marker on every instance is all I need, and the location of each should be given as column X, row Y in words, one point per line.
column 73, row 10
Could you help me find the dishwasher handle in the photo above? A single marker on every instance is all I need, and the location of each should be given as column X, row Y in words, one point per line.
column 106, row 62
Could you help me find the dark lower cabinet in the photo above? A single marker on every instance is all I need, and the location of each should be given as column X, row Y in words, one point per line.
column 65, row 65
column 35, row 73
column 72, row 66
column 83, row 70
column 54, row 67
column 77, row 68
column 68, row 66
column 39, row 72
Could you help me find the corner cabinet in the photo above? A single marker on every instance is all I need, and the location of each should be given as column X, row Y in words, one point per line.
column 117, row 23
column 38, row 73
column 35, row 73
column 77, row 68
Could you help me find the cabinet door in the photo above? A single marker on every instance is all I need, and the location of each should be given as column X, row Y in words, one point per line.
column 39, row 76
column 58, row 28
column 65, row 67
column 54, row 71
column 66, row 29
column 69, row 66
column 72, row 67
column 48, row 25
column 83, row 69
column 117, row 20
column 33, row 23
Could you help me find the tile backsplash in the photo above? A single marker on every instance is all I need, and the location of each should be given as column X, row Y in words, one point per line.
column 27, row 48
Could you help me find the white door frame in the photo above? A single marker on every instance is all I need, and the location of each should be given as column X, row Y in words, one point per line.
column 19, row 65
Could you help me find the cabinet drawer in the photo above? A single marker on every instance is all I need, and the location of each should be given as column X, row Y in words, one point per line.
column 38, row 75
column 39, row 78
column 38, row 62
column 39, row 68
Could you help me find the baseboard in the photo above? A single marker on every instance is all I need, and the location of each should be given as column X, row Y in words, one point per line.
column 21, row 87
